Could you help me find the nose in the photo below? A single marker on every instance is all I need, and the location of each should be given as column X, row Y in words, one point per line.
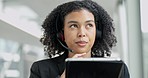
column 81, row 33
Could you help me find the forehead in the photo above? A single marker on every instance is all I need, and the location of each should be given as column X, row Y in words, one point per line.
column 79, row 15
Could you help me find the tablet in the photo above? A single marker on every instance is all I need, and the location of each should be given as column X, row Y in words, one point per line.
column 93, row 67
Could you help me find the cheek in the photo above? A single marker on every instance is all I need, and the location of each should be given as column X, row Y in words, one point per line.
column 92, row 36
column 69, row 36
column 92, row 33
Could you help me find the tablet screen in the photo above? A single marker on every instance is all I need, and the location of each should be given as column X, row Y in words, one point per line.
column 93, row 68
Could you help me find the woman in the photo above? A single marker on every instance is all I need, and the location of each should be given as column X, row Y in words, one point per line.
column 77, row 29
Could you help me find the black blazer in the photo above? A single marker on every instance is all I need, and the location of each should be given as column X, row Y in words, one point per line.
column 53, row 68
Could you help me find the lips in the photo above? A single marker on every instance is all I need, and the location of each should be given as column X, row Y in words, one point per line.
column 81, row 43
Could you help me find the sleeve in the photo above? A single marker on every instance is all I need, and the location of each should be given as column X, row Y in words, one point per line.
column 34, row 71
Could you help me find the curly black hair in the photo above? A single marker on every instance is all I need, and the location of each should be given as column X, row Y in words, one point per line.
column 54, row 23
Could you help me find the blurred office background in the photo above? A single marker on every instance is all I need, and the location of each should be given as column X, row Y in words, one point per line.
column 20, row 30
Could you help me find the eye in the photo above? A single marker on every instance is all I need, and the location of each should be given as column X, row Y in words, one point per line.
column 89, row 25
column 73, row 26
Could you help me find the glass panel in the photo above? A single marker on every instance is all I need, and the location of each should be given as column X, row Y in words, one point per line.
column 144, row 27
column 16, row 59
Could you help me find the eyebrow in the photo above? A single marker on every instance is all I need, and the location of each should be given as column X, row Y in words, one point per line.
column 90, row 21
column 77, row 22
column 72, row 22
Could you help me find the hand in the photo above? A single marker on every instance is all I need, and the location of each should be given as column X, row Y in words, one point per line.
column 73, row 55
column 63, row 75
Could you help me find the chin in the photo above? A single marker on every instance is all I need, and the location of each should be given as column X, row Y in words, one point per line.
column 81, row 51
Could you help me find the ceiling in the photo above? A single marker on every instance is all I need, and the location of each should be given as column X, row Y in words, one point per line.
column 42, row 8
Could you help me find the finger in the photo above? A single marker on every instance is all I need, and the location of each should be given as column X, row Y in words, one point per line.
column 79, row 55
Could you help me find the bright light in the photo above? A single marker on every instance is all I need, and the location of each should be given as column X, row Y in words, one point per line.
column 16, row 58
column 8, row 58
column 144, row 15
column 12, row 73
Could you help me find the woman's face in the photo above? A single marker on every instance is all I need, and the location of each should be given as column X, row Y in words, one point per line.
column 80, row 31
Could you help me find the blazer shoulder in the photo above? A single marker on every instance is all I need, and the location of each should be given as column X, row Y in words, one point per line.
column 59, row 59
column 46, row 68
column 125, row 71
column 45, row 62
